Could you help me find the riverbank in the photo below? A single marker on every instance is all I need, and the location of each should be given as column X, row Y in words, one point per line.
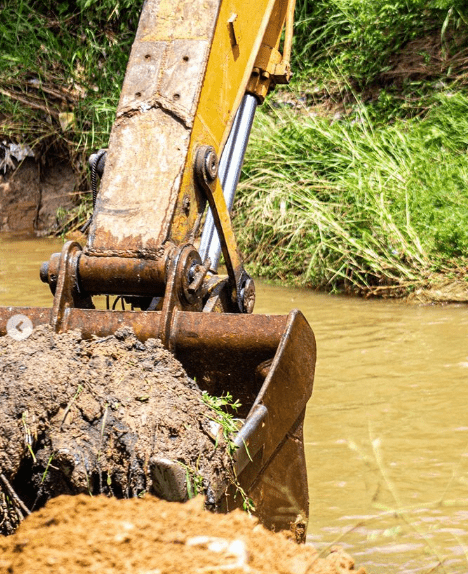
column 48, row 205
column 343, row 204
column 45, row 202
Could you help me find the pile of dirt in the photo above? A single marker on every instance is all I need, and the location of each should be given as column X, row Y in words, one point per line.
column 150, row 536
column 107, row 416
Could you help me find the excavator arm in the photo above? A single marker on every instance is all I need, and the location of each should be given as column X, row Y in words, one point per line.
column 197, row 71
column 190, row 66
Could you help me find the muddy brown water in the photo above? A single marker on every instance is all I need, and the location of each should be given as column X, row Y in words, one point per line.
column 387, row 427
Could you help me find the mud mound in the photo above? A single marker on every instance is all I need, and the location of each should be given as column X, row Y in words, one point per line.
column 103, row 416
column 150, row 536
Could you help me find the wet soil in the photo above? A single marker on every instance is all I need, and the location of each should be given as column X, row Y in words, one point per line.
column 151, row 536
column 107, row 416
column 31, row 195
column 443, row 290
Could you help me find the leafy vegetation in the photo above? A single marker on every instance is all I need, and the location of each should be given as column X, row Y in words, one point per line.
column 338, row 204
column 223, row 408
column 358, row 38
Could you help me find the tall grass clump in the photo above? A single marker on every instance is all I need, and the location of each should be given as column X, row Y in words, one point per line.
column 344, row 206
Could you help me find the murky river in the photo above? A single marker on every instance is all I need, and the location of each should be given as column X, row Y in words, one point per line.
column 387, row 427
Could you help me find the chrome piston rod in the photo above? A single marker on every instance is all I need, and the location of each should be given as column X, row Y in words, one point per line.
column 229, row 172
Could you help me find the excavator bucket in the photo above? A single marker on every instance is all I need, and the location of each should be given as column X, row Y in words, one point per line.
column 264, row 361
column 196, row 73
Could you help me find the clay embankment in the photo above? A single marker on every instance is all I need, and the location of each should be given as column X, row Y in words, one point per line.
column 31, row 195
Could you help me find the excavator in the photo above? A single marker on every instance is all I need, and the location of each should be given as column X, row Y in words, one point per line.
column 196, row 73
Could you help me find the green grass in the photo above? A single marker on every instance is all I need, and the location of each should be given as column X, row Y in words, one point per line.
column 63, row 58
column 344, row 205
column 365, row 189
column 223, row 409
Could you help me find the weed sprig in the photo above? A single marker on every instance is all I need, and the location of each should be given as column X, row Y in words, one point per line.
column 230, row 426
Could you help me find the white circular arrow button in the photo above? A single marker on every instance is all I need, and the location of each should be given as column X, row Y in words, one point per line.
column 19, row 327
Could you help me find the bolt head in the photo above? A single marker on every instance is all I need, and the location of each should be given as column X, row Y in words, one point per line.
column 211, row 164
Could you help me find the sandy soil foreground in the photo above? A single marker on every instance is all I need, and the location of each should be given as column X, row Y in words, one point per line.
column 83, row 534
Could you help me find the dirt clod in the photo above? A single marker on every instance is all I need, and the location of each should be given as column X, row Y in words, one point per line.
column 104, row 416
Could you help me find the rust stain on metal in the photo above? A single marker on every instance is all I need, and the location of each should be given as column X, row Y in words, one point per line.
column 150, row 139
column 140, row 182
column 122, row 276
column 152, row 249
